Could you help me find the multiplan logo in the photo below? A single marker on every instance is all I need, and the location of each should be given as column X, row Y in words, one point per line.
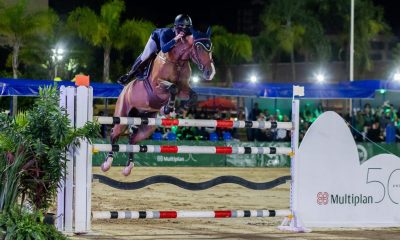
column 324, row 198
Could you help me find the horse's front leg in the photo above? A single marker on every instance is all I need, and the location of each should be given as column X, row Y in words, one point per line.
column 170, row 106
column 192, row 98
column 137, row 135
column 115, row 133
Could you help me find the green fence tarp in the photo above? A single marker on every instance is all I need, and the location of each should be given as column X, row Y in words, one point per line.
column 368, row 150
column 365, row 150
column 199, row 160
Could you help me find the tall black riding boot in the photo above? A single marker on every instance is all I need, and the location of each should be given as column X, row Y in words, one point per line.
column 126, row 78
column 137, row 70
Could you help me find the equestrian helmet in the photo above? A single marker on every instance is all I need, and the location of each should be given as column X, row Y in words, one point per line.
column 183, row 20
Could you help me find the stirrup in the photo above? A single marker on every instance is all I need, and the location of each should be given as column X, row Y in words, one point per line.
column 125, row 79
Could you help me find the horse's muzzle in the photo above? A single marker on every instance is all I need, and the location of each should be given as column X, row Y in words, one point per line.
column 209, row 73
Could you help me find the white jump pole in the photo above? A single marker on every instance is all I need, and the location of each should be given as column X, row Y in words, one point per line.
column 65, row 196
column 74, row 198
column 167, row 122
column 83, row 164
column 290, row 223
column 97, row 215
column 190, row 149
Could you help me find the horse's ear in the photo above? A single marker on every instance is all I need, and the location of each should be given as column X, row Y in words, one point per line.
column 208, row 31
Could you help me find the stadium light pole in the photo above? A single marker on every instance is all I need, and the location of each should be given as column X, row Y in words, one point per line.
column 351, row 77
column 58, row 55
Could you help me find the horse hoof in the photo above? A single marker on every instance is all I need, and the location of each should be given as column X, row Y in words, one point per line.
column 172, row 114
column 127, row 170
column 106, row 165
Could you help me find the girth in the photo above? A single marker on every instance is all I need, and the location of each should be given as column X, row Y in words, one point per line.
column 154, row 100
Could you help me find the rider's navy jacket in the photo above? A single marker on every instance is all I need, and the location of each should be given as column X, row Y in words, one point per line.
column 164, row 37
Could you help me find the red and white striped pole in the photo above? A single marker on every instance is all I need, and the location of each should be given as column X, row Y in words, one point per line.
column 190, row 149
column 168, row 122
column 97, row 215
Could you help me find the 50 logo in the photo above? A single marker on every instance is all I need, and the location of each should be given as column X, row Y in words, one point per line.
column 388, row 188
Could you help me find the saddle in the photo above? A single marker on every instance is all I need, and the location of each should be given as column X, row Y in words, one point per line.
column 154, row 101
column 145, row 67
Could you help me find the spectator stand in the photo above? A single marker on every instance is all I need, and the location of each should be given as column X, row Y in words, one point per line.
column 375, row 105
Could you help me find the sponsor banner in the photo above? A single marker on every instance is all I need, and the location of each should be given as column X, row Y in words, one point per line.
column 333, row 188
column 199, row 160
column 365, row 151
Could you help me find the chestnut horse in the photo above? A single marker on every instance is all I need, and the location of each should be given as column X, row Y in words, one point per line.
column 168, row 79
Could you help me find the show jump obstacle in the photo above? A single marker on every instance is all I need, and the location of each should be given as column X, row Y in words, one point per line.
column 329, row 186
column 74, row 198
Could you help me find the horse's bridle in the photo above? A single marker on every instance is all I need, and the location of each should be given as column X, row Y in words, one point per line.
column 195, row 56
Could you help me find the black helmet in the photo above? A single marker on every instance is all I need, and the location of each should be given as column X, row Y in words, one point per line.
column 183, row 20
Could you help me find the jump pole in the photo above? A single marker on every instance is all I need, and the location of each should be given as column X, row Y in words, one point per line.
column 74, row 195
column 290, row 223
column 166, row 122
column 97, row 215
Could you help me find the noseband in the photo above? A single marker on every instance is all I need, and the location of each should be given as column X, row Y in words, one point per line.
column 195, row 54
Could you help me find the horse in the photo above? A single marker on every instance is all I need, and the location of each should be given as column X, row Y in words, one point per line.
column 168, row 78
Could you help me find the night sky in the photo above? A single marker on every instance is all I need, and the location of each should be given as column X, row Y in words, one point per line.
column 161, row 13
column 203, row 12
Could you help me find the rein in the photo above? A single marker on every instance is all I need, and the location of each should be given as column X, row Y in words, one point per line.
column 194, row 54
column 164, row 58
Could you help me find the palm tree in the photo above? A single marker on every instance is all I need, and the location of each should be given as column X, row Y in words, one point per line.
column 39, row 59
column 265, row 52
column 106, row 30
column 18, row 27
column 230, row 49
column 368, row 24
column 291, row 25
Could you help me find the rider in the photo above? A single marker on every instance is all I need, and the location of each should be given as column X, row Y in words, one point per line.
column 163, row 39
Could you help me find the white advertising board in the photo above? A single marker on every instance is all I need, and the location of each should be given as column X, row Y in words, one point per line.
column 332, row 188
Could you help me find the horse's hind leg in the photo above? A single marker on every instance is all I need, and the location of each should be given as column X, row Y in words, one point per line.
column 129, row 164
column 115, row 133
column 141, row 133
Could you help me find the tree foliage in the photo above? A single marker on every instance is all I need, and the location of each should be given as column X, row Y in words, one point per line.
column 18, row 27
column 38, row 140
column 369, row 23
column 106, row 30
column 229, row 49
column 292, row 27
column 20, row 223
